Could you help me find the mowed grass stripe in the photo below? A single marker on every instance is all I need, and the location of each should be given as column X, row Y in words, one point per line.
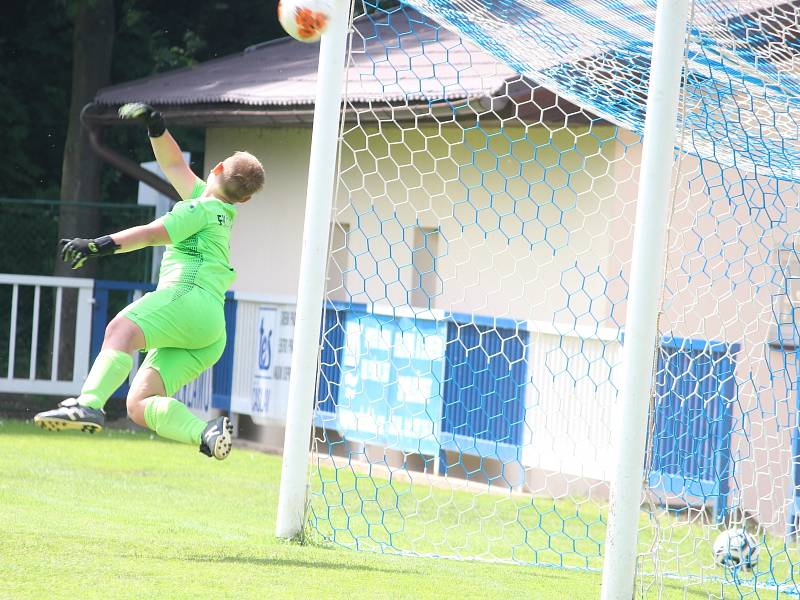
column 126, row 515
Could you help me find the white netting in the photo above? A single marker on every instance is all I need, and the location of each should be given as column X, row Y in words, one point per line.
column 478, row 283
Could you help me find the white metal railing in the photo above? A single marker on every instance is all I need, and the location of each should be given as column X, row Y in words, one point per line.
column 573, row 381
column 10, row 381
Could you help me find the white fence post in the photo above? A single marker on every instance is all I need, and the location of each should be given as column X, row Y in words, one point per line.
column 311, row 290
column 51, row 384
column 83, row 335
column 647, row 272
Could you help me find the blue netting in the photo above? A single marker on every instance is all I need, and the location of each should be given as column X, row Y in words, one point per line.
column 742, row 84
column 471, row 348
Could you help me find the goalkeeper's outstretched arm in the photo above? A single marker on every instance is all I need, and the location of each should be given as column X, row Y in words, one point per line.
column 167, row 152
column 170, row 159
column 142, row 236
column 78, row 250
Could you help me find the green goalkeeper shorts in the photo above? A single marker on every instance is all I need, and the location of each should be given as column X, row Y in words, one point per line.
column 184, row 332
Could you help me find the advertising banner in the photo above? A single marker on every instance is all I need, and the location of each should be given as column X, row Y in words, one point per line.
column 270, row 342
column 392, row 373
column 196, row 395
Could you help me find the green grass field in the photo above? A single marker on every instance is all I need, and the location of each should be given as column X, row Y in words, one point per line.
column 123, row 515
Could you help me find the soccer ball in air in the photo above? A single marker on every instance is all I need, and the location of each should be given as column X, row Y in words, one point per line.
column 736, row 548
column 305, row 20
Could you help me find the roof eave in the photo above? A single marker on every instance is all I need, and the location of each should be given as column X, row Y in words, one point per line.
column 226, row 114
column 213, row 114
column 528, row 103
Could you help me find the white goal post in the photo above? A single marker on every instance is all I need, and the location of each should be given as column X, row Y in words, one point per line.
column 311, row 289
column 647, row 277
column 544, row 313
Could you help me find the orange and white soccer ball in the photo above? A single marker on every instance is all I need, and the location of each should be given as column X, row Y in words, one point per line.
column 305, row 20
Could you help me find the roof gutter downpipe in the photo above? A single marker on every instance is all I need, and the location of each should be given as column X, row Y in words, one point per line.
column 121, row 163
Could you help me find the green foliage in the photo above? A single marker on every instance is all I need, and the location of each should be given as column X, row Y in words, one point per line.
column 35, row 43
column 34, row 224
column 152, row 36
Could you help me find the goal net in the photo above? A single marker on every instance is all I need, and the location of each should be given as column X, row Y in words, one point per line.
column 478, row 275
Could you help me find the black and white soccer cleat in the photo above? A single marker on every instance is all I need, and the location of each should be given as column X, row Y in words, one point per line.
column 71, row 415
column 217, row 438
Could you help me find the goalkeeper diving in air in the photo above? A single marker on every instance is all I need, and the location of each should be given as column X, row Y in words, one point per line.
column 181, row 324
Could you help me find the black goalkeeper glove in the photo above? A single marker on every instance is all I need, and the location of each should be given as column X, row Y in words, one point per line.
column 77, row 250
column 147, row 114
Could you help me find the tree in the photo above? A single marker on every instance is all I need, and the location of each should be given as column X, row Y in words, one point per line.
column 152, row 36
column 93, row 40
column 35, row 40
column 92, row 44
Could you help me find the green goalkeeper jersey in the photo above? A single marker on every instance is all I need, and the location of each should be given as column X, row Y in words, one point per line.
column 200, row 231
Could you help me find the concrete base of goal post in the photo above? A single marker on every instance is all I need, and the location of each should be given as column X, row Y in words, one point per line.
column 311, row 290
column 647, row 272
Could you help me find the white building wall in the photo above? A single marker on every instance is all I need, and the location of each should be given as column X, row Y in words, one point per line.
column 720, row 285
column 267, row 232
column 484, row 202
column 492, row 254
column 502, row 244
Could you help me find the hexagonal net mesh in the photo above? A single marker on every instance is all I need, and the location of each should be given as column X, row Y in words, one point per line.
column 477, row 283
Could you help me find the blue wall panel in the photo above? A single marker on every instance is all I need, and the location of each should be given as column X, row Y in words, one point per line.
column 485, row 378
column 222, row 375
column 332, row 338
column 691, row 421
column 108, row 293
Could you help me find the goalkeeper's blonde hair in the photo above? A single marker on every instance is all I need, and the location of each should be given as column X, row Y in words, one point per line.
column 242, row 176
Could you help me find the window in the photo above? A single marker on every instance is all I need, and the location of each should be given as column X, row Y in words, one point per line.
column 786, row 301
column 424, row 286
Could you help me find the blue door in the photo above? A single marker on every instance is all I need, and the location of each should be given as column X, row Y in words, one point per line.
column 793, row 514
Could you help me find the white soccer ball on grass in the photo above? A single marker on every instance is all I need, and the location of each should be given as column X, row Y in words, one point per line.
column 736, row 548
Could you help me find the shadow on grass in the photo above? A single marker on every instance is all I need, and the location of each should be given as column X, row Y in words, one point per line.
column 420, row 563
column 287, row 562
column 679, row 589
column 121, row 429
column 404, row 565
column 688, row 594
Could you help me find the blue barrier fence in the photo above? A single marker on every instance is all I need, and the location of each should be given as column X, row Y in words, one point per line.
column 484, row 384
column 332, row 336
column 484, row 389
column 103, row 288
column 691, row 422
column 793, row 514
column 483, row 396
column 105, row 305
column 222, row 377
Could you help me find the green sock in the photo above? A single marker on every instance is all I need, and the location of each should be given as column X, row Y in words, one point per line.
column 110, row 369
column 169, row 418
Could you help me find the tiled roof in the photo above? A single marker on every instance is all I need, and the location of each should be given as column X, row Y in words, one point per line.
column 404, row 56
